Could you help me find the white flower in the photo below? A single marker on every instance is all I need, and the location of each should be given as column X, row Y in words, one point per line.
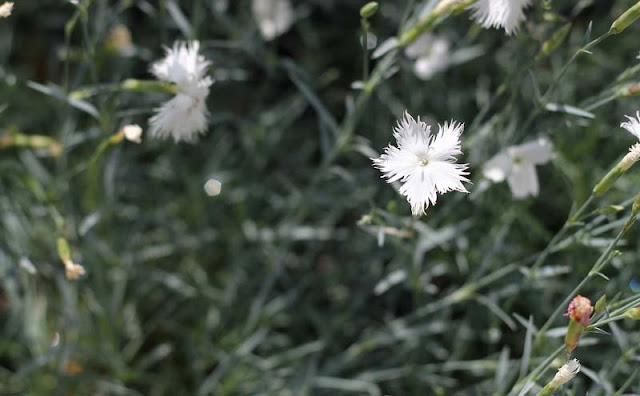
column 505, row 14
column 424, row 163
column 5, row 9
column 633, row 125
column 132, row 133
column 431, row 54
column 274, row 17
column 73, row 271
column 565, row 374
column 517, row 164
column 185, row 116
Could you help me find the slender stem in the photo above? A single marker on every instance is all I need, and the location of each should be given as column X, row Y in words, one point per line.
column 365, row 49
column 545, row 97
column 604, row 322
column 604, row 258
column 568, row 223
column 628, row 383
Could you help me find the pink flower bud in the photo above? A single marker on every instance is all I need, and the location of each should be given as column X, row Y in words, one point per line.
column 580, row 310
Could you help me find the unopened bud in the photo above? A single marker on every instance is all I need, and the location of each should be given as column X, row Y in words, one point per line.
column 601, row 304
column 627, row 90
column 369, row 10
column 610, row 210
column 554, row 42
column 614, row 174
column 633, row 313
column 626, row 19
column 579, row 312
column 607, row 181
column 64, row 252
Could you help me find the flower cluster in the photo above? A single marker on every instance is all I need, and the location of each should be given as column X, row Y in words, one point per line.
column 184, row 117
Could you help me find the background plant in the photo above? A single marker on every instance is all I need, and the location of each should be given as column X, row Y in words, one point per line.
column 307, row 274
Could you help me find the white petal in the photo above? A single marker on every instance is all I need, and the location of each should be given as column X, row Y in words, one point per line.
column 446, row 145
column 419, row 47
column 633, row 125
column 182, row 64
column 274, row 17
column 411, row 134
column 523, row 180
column 536, row 152
column 505, row 14
column 423, row 185
column 432, row 55
column 448, row 176
column 497, row 168
column 396, row 164
column 420, row 191
column 184, row 118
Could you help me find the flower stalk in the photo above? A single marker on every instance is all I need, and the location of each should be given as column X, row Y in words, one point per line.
column 439, row 13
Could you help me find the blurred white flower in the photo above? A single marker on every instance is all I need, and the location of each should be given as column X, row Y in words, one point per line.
column 633, row 125
column 132, row 133
column 182, row 65
column 425, row 164
column 566, row 373
column 185, row 116
column 5, row 9
column 431, row 54
column 73, row 271
column 517, row 164
column 505, row 14
column 274, row 17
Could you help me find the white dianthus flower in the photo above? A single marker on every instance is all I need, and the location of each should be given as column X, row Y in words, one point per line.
column 517, row 164
column 431, row 54
column 185, row 116
column 424, row 163
column 633, row 127
column 566, row 373
column 5, row 9
column 506, row 14
column 274, row 17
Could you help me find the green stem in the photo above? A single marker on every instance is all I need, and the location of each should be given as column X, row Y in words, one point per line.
column 543, row 101
column 603, row 260
column 568, row 223
column 131, row 85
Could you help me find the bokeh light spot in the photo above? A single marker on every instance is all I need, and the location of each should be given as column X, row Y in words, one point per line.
column 213, row 187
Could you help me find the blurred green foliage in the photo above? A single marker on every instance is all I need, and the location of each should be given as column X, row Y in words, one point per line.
column 307, row 275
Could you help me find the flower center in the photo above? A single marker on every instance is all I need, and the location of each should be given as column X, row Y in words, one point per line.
column 423, row 162
column 517, row 159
